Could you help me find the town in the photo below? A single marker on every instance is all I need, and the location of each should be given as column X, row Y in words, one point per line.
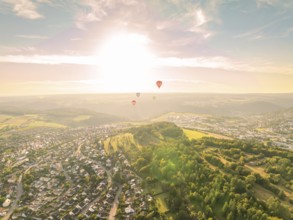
column 274, row 129
column 68, row 175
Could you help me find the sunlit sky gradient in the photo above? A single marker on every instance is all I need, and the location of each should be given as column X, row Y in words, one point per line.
column 92, row 46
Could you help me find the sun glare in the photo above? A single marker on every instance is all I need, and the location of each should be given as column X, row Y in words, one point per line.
column 125, row 61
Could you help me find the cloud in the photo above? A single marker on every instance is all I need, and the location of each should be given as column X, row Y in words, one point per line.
column 19, row 50
column 218, row 62
column 285, row 4
column 206, row 62
column 173, row 25
column 94, row 11
column 45, row 1
column 49, row 59
column 199, row 21
column 260, row 32
column 24, row 8
column 193, row 16
column 287, row 32
column 32, row 37
column 266, row 2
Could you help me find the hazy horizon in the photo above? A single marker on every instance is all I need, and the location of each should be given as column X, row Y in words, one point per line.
column 148, row 93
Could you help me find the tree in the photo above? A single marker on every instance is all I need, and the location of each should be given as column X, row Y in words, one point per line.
column 225, row 208
column 182, row 214
column 250, row 181
column 230, row 216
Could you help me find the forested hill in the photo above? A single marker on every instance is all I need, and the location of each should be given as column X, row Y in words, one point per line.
column 208, row 178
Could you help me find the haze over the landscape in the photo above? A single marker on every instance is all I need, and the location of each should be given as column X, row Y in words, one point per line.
column 215, row 46
column 146, row 109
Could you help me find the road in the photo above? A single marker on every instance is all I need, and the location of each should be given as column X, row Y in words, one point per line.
column 113, row 210
column 19, row 192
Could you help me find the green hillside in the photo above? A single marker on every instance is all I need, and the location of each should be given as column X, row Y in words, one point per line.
column 208, row 178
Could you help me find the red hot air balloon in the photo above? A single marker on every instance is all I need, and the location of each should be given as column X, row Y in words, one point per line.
column 159, row 83
column 133, row 102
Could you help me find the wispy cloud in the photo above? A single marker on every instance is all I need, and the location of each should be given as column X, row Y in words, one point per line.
column 266, row 2
column 50, row 59
column 19, row 50
column 24, row 8
column 287, row 32
column 94, row 11
column 32, row 37
column 199, row 20
column 206, row 62
column 96, row 14
column 259, row 32
column 203, row 13
column 221, row 63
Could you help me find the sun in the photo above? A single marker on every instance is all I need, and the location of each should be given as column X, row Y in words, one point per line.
column 125, row 60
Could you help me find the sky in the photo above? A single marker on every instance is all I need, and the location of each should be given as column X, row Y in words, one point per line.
column 109, row 46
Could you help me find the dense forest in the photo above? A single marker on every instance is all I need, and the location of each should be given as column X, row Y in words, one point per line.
column 210, row 178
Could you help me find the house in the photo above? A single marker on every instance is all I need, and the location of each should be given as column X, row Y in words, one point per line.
column 128, row 201
column 129, row 210
column 108, row 163
column 2, row 212
column 6, row 203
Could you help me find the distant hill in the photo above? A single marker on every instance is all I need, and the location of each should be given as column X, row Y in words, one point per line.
column 78, row 117
column 147, row 107
column 17, row 121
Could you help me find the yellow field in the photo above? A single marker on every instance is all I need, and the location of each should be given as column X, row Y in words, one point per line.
column 81, row 118
column 4, row 117
column 25, row 122
column 17, row 121
column 36, row 124
column 7, row 120
column 121, row 140
column 191, row 134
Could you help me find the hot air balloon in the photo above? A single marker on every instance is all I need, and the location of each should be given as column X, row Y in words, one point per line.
column 138, row 94
column 133, row 102
column 159, row 83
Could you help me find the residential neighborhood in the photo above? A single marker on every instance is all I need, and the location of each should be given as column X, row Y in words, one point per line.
column 68, row 175
column 275, row 129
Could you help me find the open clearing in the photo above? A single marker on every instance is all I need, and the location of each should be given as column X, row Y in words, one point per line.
column 258, row 170
column 262, row 193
